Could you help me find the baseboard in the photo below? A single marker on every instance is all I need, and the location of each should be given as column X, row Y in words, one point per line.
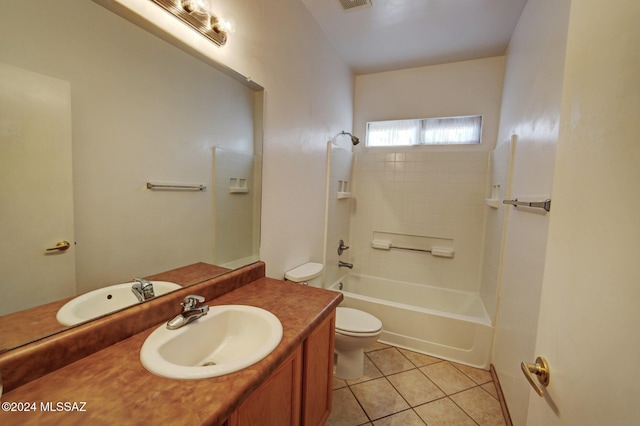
column 503, row 402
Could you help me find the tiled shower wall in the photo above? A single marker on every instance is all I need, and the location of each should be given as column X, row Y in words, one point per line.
column 426, row 193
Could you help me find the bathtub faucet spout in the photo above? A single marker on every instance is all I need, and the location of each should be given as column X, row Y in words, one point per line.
column 342, row 264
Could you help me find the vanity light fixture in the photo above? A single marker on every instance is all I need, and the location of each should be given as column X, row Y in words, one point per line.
column 196, row 15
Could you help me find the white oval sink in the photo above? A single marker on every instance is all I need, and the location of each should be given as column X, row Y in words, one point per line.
column 105, row 300
column 227, row 339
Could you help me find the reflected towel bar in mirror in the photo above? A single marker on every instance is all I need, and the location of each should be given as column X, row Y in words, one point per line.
column 546, row 204
column 159, row 186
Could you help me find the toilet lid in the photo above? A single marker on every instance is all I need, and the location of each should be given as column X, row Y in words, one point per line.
column 356, row 321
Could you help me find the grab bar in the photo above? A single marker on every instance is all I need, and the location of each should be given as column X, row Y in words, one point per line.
column 410, row 249
column 187, row 187
column 546, row 204
column 434, row 251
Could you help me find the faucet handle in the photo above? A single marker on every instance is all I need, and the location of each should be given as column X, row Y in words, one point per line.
column 191, row 301
column 143, row 287
column 342, row 247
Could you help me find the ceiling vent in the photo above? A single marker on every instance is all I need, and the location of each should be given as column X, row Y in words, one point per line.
column 355, row 4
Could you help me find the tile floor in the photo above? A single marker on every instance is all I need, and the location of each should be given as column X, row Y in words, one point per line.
column 400, row 387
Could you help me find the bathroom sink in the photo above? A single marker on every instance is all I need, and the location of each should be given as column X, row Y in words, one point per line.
column 227, row 339
column 105, row 300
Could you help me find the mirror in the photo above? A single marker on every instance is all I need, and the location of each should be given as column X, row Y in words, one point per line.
column 115, row 108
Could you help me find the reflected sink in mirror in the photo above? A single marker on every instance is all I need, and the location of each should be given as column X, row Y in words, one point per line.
column 105, row 300
column 227, row 339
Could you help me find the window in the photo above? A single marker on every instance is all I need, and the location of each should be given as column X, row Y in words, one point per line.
column 427, row 131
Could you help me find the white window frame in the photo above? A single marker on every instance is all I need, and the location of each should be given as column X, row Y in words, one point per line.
column 426, row 132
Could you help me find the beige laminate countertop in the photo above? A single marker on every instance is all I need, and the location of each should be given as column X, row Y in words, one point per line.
column 116, row 389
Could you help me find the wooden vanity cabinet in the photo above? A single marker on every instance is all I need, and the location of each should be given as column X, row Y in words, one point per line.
column 277, row 400
column 317, row 383
column 299, row 391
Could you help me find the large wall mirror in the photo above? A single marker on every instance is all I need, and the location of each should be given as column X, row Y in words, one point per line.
column 92, row 108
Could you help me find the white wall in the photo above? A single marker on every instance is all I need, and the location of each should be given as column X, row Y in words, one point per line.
column 459, row 88
column 531, row 110
column 425, row 191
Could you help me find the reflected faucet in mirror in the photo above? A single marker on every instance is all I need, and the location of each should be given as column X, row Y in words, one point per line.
column 142, row 289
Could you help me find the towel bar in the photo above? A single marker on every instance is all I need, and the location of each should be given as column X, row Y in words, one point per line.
column 187, row 187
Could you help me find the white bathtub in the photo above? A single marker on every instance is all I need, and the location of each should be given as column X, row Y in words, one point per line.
column 447, row 324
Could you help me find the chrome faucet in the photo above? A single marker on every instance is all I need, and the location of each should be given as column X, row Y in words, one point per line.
column 143, row 289
column 342, row 264
column 190, row 312
column 341, row 247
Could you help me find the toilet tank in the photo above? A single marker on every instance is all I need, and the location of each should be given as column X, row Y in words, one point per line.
column 308, row 274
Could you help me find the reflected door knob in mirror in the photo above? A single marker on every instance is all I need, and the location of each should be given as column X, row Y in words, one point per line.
column 60, row 246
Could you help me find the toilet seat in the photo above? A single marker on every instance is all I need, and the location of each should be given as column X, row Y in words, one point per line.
column 356, row 323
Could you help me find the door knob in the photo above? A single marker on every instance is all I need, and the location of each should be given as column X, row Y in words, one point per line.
column 60, row 246
column 541, row 370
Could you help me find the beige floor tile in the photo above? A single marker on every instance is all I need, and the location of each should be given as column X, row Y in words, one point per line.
column 476, row 374
column 346, row 411
column 481, row 406
column 404, row 418
column 419, row 360
column 338, row 383
column 376, row 346
column 415, row 387
column 491, row 388
column 447, row 377
column 384, row 400
column 370, row 372
column 390, row 361
column 443, row 412
column 379, row 398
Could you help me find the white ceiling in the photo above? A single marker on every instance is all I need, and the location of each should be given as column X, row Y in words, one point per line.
column 397, row 34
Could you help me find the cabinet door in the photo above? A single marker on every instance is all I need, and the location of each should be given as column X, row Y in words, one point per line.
column 277, row 400
column 318, row 373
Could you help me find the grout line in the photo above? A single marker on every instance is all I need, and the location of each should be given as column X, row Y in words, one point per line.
column 462, row 409
column 402, row 411
column 360, row 404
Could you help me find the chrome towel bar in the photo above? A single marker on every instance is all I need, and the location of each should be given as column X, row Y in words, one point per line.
column 546, row 204
column 184, row 187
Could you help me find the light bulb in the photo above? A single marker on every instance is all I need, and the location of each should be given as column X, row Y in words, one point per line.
column 195, row 6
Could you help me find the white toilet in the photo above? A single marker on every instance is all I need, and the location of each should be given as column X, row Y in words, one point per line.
column 355, row 329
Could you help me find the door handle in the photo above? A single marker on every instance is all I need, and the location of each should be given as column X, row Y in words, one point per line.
column 541, row 370
column 60, row 246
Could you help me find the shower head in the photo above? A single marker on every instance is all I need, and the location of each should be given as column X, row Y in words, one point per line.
column 354, row 140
